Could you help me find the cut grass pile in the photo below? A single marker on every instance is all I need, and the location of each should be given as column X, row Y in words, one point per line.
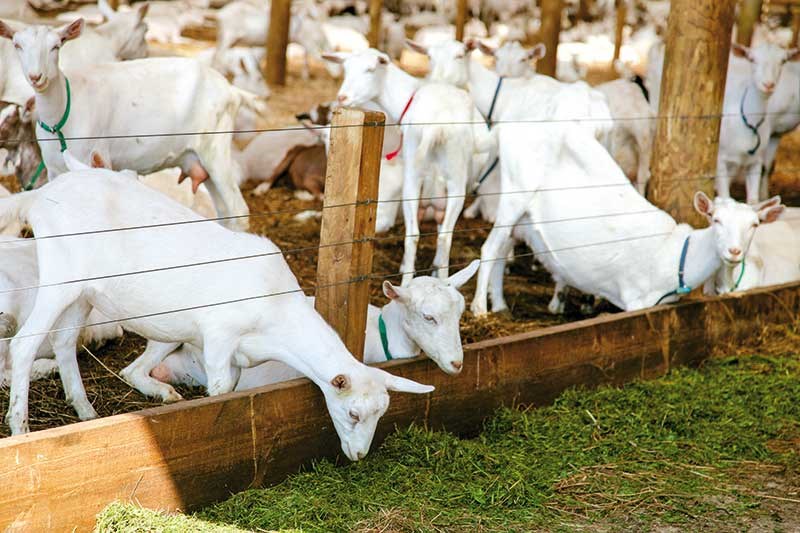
column 709, row 449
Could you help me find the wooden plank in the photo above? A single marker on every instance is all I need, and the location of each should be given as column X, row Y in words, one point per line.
column 619, row 27
column 795, row 26
column 687, row 136
column 190, row 454
column 749, row 15
column 277, row 41
column 348, row 223
column 461, row 19
column 549, row 35
column 375, row 12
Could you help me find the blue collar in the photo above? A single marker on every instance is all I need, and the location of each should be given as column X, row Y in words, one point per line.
column 494, row 101
column 683, row 288
column 749, row 126
column 384, row 338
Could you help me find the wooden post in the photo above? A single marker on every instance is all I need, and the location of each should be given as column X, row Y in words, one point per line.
column 549, row 34
column 461, row 18
column 795, row 25
column 277, row 41
column 375, row 12
column 585, row 10
column 692, row 90
column 749, row 13
column 622, row 15
column 348, row 217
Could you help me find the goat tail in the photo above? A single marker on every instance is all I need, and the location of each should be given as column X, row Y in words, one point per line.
column 432, row 136
column 15, row 208
column 255, row 103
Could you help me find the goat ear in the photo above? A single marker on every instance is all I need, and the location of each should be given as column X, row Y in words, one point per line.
column 341, row 382
column 72, row 31
column 99, row 162
column 486, row 49
column 27, row 112
column 334, row 57
column 143, row 11
column 703, row 204
column 398, row 384
column 793, row 54
column 462, row 276
column 6, row 30
column 740, row 51
column 416, row 47
column 770, row 210
column 105, row 9
column 393, row 292
column 537, row 52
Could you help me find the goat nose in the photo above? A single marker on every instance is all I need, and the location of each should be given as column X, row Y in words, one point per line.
column 361, row 455
column 769, row 85
column 341, row 98
column 457, row 365
column 35, row 77
column 734, row 251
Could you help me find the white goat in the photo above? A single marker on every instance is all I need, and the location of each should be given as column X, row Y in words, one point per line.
column 772, row 258
column 18, row 271
column 784, row 111
column 746, row 126
column 631, row 137
column 606, row 241
column 424, row 316
column 449, row 145
column 231, row 319
column 169, row 97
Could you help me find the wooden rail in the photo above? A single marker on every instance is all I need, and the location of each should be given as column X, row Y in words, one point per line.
column 193, row 453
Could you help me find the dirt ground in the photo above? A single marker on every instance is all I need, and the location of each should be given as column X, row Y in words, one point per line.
column 527, row 291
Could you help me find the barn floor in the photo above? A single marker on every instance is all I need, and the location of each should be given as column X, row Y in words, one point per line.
column 528, row 292
column 708, row 449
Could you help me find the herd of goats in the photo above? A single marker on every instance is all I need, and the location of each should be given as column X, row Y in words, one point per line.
column 121, row 240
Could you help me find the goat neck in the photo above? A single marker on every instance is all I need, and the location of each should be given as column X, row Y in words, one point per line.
column 702, row 260
column 401, row 346
column 51, row 103
column 398, row 87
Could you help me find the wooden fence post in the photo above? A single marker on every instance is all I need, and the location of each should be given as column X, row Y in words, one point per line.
column 749, row 13
column 795, row 25
column 585, row 10
column 692, row 90
column 619, row 29
column 277, row 41
column 375, row 13
column 348, row 216
column 461, row 18
column 549, row 35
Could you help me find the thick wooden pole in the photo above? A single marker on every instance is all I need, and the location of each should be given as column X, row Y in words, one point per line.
column 348, row 224
column 585, row 10
column 277, row 41
column 795, row 25
column 749, row 13
column 375, row 12
column 622, row 15
column 461, row 18
column 692, row 90
column 549, row 34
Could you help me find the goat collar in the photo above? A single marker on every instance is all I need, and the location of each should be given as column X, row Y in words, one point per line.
column 384, row 338
column 391, row 155
column 683, row 288
column 741, row 275
column 56, row 130
column 751, row 127
column 494, row 100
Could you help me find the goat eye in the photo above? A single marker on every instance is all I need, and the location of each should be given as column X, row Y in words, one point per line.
column 715, row 221
column 354, row 416
column 755, row 224
column 429, row 318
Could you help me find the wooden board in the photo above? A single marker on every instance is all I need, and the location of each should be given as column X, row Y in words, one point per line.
column 193, row 453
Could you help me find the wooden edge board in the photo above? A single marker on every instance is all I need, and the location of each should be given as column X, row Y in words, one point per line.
column 187, row 455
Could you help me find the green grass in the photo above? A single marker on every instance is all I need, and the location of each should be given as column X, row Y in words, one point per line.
column 684, row 449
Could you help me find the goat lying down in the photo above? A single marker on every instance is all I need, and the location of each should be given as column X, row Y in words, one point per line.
column 254, row 311
column 424, row 315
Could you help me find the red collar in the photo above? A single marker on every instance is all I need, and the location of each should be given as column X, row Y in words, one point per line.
column 395, row 153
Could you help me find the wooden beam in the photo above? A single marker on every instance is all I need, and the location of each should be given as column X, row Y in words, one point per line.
column 549, row 35
column 692, row 89
column 749, row 15
column 795, row 26
column 375, row 13
column 190, row 454
column 348, row 223
column 277, row 40
column 461, row 19
column 619, row 29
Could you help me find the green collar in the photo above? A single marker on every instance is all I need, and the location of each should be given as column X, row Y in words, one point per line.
column 56, row 130
column 384, row 338
column 741, row 275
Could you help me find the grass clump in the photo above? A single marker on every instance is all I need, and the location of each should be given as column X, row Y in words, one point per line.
column 119, row 517
column 691, row 449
